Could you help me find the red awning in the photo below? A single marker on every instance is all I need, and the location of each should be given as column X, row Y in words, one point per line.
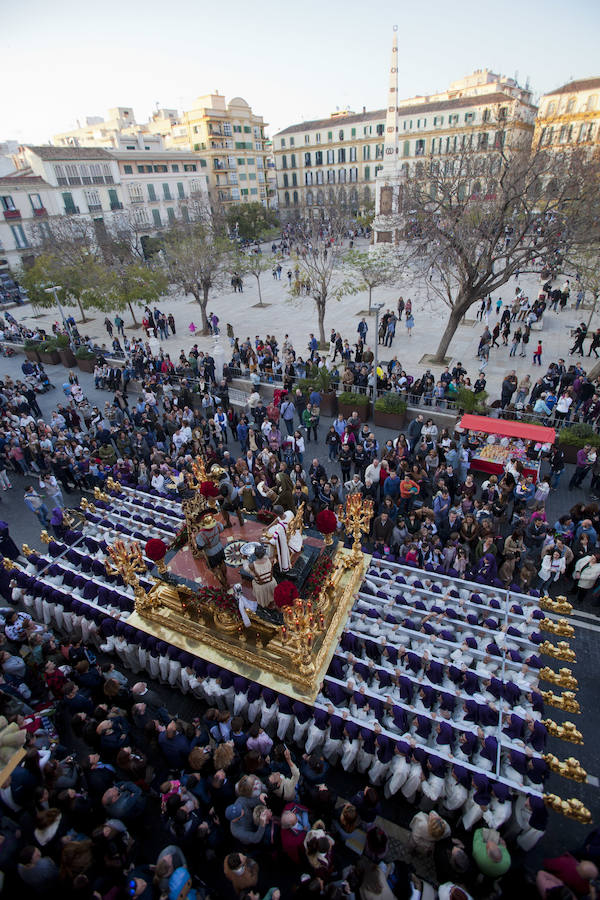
column 508, row 428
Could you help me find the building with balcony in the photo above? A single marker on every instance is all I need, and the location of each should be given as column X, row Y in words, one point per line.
column 570, row 117
column 318, row 161
column 230, row 142
column 464, row 125
column 25, row 200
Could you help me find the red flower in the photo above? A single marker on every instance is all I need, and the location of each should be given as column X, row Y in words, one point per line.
column 209, row 489
column 155, row 549
column 285, row 593
column 326, row 521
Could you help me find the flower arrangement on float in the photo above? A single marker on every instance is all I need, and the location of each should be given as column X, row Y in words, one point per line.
column 326, row 523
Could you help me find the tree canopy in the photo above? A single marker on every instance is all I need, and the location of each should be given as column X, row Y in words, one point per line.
column 250, row 220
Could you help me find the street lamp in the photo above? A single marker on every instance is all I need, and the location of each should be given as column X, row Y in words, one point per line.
column 377, row 309
column 54, row 291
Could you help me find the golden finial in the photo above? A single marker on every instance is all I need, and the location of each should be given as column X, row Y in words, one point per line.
column 565, row 732
column 112, row 485
column 560, row 651
column 565, row 701
column 564, row 677
column 8, row 564
column 45, row 537
column 573, row 809
column 570, row 768
column 26, row 550
column 561, row 627
column 559, row 605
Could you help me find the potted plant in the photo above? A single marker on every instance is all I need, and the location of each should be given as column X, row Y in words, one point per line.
column 31, row 351
column 67, row 357
column 86, row 360
column 574, row 437
column 349, row 402
column 48, row 353
column 390, row 410
column 321, row 382
column 470, row 402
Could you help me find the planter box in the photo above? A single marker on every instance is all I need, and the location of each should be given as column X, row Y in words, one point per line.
column 389, row 420
column 49, row 358
column 362, row 409
column 32, row 355
column 67, row 357
column 329, row 404
column 87, row 365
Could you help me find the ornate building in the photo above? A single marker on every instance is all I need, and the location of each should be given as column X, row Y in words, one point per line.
column 476, row 115
column 570, row 116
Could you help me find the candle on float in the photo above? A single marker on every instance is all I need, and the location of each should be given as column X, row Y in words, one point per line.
column 322, row 621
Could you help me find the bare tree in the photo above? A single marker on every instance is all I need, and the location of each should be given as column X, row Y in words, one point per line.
column 320, row 248
column 372, row 269
column 474, row 219
column 254, row 264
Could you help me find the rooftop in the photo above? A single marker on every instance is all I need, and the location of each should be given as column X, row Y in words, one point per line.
column 572, row 87
column 48, row 152
column 335, row 120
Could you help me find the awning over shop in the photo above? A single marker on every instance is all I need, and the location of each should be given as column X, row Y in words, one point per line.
column 508, row 428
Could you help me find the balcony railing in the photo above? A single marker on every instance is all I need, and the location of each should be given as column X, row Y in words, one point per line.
column 71, row 210
column 116, row 204
column 40, row 211
column 95, row 207
column 12, row 213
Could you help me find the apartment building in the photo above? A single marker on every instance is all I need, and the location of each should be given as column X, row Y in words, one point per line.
column 147, row 189
column 318, row 161
column 230, row 140
column 478, row 115
column 570, row 116
column 120, row 131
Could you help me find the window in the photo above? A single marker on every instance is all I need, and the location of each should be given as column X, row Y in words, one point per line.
column 292, row 142
column 144, row 169
column 341, row 176
column 341, row 134
column 166, row 192
column 235, row 193
column 8, row 203
column 156, row 217
column 368, row 129
column 92, row 198
column 191, row 167
column 366, row 152
column 420, row 148
column 72, row 174
column 318, row 137
column 353, row 173
column 108, row 179
column 570, row 104
column 237, row 128
column 284, row 161
column 307, row 138
column 286, row 198
column 285, row 180
column 406, row 148
column 319, row 178
column 227, row 129
column 185, row 214
column 19, row 235
column 294, row 180
column 380, row 129
column 135, row 192
column 250, row 161
column 70, row 207
column 293, row 161
column 352, row 154
column 282, row 142
column 330, row 176
column 469, row 117
column 253, row 191
column 309, row 198
column 243, row 176
column 330, row 135
column 128, row 170
column 307, row 159
column 247, row 129
column 503, row 113
column 180, row 190
column 486, row 115
column 551, row 108
column 308, row 178
column 242, row 161
column 86, row 178
column 378, row 151
column 318, row 158
column 353, row 132
column 151, row 193
column 438, row 120
column 320, row 198
column 453, row 119
column 252, row 176
column 341, row 155
column 36, row 201
column 140, row 215
column 170, row 214
column 421, row 123
column 160, row 168
column 367, row 173
column 295, row 198
column 61, row 178
column 592, row 103
column 330, row 157
column 261, row 177
column 562, row 136
column 482, row 141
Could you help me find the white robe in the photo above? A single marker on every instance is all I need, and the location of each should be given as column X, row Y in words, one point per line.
column 349, row 753
column 413, row 782
column 314, row 738
column 278, row 537
column 455, row 794
column 283, row 724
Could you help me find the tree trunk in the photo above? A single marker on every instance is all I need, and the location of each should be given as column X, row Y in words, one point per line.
column 370, row 292
column 83, row 318
column 321, row 318
column 449, row 331
column 260, row 303
column 203, row 301
column 135, row 321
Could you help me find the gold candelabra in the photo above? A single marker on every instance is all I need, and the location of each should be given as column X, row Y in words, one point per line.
column 561, row 627
column 26, row 550
column 356, row 519
column 127, row 561
column 112, row 485
column 563, row 678
column 8, row 564
column 559, row 605
column 565, row 701
column 573, row 809
column 565, row 732
column 301, row 624
column 102, row 495
column 559, row 651
column 44, row 536
column 570, row 768
column 86, row 506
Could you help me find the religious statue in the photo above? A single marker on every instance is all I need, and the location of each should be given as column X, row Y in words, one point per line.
column 285, row 535
column 230, row 500
column 263, row 583
column 209, row 542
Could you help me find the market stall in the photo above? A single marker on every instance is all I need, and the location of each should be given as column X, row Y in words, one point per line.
column 510, row 442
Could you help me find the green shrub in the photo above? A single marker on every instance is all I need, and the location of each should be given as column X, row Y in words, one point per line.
column 84, row 353
column 578, row 435
column 47, row 346
column 31, row 345
column 349, row 399
column 470, row 402
column 390, row 402
column 62, row 341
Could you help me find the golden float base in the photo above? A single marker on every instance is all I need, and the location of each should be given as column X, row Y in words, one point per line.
column 260, row 652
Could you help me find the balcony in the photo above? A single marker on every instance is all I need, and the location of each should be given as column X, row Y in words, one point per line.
column 12, row 213
column 115, row 204
column 71, row 210
column 40, row 211
column 95, row 207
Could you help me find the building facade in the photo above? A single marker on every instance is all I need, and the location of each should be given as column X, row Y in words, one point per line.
column 570, row 116
column 321, row 161
column 144, row 189
column 230, row 140
column 476, row 116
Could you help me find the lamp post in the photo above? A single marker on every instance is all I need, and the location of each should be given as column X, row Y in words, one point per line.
column 54, row 291
column 377, row 309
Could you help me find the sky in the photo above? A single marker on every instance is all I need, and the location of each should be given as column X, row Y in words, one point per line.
column 291, row 61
